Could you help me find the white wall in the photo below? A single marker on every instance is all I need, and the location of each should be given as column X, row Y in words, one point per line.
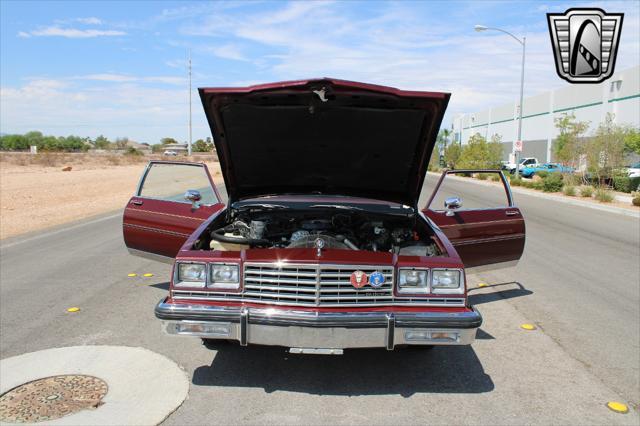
column 589, row 102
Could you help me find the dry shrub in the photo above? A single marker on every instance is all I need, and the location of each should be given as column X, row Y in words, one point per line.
column 604, row 195
column 15, row 159
column 586, row 191
column 114, row 160
column 47, row 159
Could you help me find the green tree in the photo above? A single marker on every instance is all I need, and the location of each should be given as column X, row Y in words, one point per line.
column 34, row 138
column 167, row 141
column 568, row 146
column 101, row 142
column 605, row 151
column 443, row 140
column 480, row 154
column 632, row 141
column 202, row 146
column 13, row 142
column 452, row 155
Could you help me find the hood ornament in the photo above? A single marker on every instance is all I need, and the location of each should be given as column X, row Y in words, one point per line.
column 319, row 243
column 322, row 94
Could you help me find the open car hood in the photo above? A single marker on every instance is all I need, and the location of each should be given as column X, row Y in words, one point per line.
column 324, row 136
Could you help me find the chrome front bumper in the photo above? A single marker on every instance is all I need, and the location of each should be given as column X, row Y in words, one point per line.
column 319, row 330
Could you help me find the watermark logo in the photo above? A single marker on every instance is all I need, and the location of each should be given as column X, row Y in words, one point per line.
column 585, row 43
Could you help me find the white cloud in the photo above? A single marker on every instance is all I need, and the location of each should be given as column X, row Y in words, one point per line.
column 402, row 48
column 90, row 20
column 228, row 51
column 56, row 31
column 176, row 63
column 23, row 34
column 125, row 78
column 108, row 77
column 142, row 112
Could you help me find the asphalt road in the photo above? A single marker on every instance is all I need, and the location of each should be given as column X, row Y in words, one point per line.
column 578, row 281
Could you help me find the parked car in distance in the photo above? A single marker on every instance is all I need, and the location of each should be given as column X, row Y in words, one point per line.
column 634, row 170
column 547, row 167
column 169, row 153
column 524, row 162
column 322, row 245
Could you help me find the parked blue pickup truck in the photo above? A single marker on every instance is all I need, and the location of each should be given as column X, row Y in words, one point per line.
column 547, row 167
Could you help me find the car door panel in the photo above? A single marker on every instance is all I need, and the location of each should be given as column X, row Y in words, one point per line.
column 483, row 236
column 158, row 227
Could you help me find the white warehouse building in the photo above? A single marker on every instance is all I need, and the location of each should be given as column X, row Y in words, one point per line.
column 619, row 95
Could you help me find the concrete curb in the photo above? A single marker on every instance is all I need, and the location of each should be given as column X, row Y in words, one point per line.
column 558, row 198
column 144, row 387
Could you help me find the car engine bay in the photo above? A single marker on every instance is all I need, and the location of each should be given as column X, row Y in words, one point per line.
column 338, row 227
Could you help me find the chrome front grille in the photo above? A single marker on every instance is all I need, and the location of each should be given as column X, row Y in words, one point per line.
column 315, row 286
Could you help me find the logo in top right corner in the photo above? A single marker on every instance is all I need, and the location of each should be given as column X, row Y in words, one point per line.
column 585, row 43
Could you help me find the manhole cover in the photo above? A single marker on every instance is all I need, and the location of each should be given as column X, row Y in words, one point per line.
column 51, row 398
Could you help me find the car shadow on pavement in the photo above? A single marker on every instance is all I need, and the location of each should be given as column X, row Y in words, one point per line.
column 162, row 286
column 500, row 294
column 404, row 371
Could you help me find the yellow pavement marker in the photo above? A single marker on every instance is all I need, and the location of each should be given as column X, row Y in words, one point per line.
column 147, row 275
column 132, row 275
column 74, row 309
column 528, row 326
column 618, row 407
column 480, row 285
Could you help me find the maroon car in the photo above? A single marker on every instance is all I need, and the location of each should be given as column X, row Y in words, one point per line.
column 322, row 245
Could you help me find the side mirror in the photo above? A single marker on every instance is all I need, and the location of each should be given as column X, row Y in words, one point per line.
column 193, row 196
column 451, row 204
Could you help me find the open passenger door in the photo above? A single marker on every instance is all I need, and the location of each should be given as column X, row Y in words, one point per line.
column 172, row 200
column 489, row 230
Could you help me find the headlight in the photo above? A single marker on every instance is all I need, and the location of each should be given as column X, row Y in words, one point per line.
column 413, row 281
column 446, row 281
column 191, row 275
column 224, row 276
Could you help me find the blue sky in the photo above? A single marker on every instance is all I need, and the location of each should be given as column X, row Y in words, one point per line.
column 118, row 68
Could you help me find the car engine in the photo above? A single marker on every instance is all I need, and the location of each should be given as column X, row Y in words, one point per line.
column 352, row 230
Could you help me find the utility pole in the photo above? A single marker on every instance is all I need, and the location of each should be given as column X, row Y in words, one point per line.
column 190, row 133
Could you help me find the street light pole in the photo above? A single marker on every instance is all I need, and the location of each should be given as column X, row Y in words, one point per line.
column 522, row 42
column 190, row 131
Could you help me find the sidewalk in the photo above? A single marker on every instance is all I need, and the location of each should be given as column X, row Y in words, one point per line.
column 627, row 210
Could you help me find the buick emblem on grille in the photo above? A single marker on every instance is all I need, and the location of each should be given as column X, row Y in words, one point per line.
column 358, row 279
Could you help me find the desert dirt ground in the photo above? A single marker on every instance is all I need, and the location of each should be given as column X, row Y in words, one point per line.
column 35, row 193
